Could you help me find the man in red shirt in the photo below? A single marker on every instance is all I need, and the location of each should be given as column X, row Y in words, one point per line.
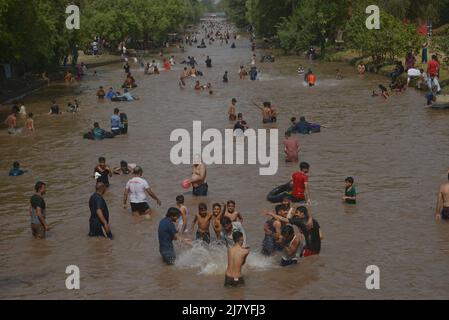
column 433, row 67
column 301, row 191
column 433, row 70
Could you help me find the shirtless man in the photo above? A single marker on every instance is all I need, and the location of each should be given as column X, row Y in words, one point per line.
column 29, row 123
column 237, row 255
column 266, row 113
column 198, row 181
column 203, row 218
column 232, row 110
column 11, row 122
column 442, row 208
column 218, row 211
column 231, row 213
column 291, row 242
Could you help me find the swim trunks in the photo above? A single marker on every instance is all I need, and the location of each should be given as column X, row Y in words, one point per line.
column 141, row 207
column 307, row 253
column 234, row 282
column 168, row 257
column 11, row 131
column 445, row 213
column 288, row 262
column 201, row 191
column 203, row 236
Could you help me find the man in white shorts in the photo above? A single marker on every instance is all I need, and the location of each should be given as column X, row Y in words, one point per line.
column 136, row 190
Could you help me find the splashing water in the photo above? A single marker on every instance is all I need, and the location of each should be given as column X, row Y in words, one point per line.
column 213, row 259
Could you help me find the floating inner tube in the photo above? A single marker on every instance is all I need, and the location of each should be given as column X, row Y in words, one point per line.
column 119, row 99
column 277, row 194
column 315, row 127
column 440, row 106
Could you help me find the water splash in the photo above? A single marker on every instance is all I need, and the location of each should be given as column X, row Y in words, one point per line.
column 213, row 259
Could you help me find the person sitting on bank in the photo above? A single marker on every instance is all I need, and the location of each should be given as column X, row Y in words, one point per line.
column 16, row 171
column 398, row 70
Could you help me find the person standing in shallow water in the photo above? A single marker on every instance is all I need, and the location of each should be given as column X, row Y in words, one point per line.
column 167, row 233
column 237, row 255
column 99, row 214
column 442, row 207
column 39, row 226
column 199, row 178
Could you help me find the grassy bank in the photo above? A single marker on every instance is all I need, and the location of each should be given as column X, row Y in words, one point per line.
column 353, row 58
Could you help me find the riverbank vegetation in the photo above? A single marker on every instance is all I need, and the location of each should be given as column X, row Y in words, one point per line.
column 296, row 25
column 33, row 33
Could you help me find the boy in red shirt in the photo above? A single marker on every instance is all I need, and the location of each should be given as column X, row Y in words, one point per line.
column 301, row 191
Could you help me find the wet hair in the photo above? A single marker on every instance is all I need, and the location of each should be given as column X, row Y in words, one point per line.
column 99, row 186
column 39, row 185
column 304, row 165
column 225, row 221
column 287, row 231
column 180, row 199
column 350, row 180
column 234, row 100
column 279, row 208
column 30, row 115
column 102, row 159
column 202, row 206
column 16, row 165
column 173, row 212
column 303, row 210
column 236, row 236
column 137, row 171
column 230, row 201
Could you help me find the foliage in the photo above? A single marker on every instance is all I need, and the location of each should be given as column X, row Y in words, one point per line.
column 394, row 38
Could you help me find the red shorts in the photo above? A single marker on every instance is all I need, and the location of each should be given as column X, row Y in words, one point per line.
column 308, row 253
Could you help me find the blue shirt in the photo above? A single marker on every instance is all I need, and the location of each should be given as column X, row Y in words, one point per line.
column 167, row 232
column 303, row 127
column 16, row 172
column 110, row 95
column 115, row 122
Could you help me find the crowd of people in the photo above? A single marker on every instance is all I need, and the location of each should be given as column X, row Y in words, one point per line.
column 289, row 230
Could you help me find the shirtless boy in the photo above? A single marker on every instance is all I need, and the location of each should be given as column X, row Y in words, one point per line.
column 442, row 209
column 203, row 218
column 231, row 213
column 236, row 260
column 232, row 110
column 218, row 211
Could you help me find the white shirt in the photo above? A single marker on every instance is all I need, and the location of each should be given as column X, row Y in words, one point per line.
column 413, row 72
column 136, row 188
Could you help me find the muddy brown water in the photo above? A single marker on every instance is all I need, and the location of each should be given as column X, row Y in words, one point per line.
column 396, row 150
